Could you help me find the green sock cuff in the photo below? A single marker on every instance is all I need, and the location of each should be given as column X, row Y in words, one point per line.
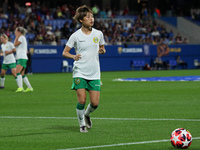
column 80, row 106
column 95, row 107
column 15, row 77
column 18, row 74
column 3, row 77
column 23, row 76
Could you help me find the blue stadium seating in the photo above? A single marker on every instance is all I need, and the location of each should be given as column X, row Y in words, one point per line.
column 173, row 64
column 138, row 64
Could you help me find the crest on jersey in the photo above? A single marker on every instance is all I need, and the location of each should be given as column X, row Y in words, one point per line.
column 77, row 81
column 95, row 39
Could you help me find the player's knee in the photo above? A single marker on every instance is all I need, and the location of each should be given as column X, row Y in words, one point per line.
column 82, row 101
column 94, row 104
column 2, row 74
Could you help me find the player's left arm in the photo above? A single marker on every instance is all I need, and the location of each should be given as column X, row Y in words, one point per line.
column 10, row 52
column 102, row 49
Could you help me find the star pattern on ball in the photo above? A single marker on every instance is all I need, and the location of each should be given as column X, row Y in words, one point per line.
column 175, row 138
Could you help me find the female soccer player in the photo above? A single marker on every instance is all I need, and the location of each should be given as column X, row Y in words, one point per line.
column 21, row 56
column 9, row 61
column 88, row 43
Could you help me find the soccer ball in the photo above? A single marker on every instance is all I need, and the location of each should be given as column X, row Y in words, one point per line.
column 181, row 138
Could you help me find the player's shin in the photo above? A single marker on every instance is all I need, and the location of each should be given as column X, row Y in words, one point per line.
column 80, row 114
column 19, row 80
column 2, row 81
column 90, row 109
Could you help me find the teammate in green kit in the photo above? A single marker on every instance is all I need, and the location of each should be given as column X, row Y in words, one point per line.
column 88, row 43
column 21, row 56
column 9, row 61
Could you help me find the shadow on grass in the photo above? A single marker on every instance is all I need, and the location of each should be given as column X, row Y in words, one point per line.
column 61, row 127
column 56, row 127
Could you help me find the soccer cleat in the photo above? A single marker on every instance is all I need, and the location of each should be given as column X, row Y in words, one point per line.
column 88, row 122
column 83, row 129
column 1, row 87
column 29, row 90
column 19, row 90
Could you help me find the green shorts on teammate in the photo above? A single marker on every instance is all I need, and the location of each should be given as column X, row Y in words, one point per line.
column 8, row 66
column 80, row 83
column 22, row 62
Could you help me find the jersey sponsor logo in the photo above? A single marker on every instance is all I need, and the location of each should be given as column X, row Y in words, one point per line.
column 77, row 81
column 95, row 40
column 82, row 41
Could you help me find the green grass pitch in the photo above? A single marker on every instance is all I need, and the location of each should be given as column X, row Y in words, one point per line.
column 46, row 118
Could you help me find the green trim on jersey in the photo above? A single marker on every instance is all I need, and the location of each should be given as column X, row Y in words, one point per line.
column 80, row 83
column 8, row 66
column 22, row 62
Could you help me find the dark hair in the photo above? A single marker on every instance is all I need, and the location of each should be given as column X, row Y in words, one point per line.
column 81, row 12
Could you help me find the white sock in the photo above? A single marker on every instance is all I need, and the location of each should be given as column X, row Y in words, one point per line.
column 26, row 81
column 80, row 115
column 89, row 109
column 16, row 80
column 19, row 81
column 2, row 81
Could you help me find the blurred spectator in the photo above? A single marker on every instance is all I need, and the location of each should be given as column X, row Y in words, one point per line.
column 65, row 30
column 28, row 69
column 53, row 42
column 125, row 11
column 5, row 6
column 185, row 41
column 156, row 13
column 181, row 63
column 161, row 64
column 109, row 13
column 178, row 39
column 95, row 10
column 49, row 27
column 103, row 14
column 65, row 11
column 57, row 33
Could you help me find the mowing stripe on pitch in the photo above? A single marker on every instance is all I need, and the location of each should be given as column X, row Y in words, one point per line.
column 120, row 119
column 122, row 144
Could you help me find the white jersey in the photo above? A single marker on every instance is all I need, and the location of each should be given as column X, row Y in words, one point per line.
column 21, row 50
column 88, row 66
column 8, row 59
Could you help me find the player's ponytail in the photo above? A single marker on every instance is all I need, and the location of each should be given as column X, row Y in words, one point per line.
column 21, row 30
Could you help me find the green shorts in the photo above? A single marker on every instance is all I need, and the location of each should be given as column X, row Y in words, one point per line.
column 8, row 66
column 80, row 83
column 22, row 62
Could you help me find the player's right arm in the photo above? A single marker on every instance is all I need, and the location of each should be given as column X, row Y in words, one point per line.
column 66, row 54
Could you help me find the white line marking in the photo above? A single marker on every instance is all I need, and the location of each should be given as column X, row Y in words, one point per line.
column 122, row 144
column 120, row 119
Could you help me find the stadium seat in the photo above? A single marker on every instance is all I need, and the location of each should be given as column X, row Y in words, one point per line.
column 66, row 67
column 138, row 64
column 173, row 64
column 63, row 41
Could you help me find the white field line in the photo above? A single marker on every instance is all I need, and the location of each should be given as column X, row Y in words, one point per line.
column 122, row 144
column 120, row 119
